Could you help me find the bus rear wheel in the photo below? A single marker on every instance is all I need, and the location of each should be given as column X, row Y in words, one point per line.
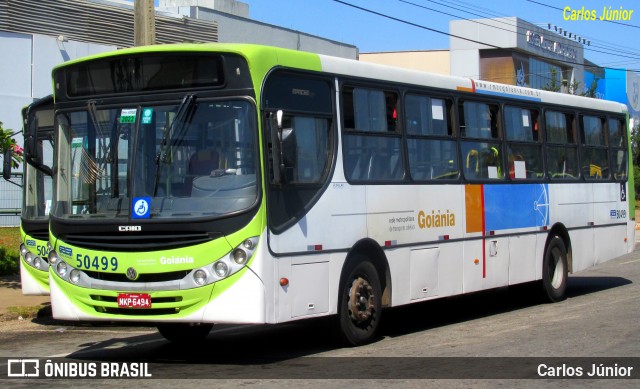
column 184, row 332
column 555, row 270
column 360, row 304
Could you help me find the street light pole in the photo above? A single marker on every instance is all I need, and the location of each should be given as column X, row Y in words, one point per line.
column 144, row 24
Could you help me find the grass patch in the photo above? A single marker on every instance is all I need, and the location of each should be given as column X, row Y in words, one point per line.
column 27, row 312
column 9, row 250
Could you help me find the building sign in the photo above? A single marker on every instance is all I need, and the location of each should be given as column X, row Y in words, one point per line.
column 557, row 48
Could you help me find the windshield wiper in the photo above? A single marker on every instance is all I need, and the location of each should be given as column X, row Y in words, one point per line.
column 172, row 134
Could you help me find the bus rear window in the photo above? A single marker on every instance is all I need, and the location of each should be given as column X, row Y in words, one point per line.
column 142, row 73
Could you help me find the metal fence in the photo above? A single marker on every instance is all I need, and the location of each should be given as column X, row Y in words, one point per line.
column 11, row 201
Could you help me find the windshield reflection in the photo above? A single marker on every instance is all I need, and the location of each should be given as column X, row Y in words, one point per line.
column 197, row 158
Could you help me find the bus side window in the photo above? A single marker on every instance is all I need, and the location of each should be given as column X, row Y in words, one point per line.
column 594, row 152
column 562, row 149
column 372, row 144
column 524, row 143
column 431, row 148
column 481, row 140
column 618, row 145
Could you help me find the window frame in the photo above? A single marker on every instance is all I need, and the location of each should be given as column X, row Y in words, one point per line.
column 449, row 135
column 537, row 143
column 567, row 145
column 397, row 170
column 624, row 147
column 587, row 146
column 495, row 144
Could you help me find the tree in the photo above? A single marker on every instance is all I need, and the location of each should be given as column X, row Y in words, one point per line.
column 7, row 143
column 635, row 156
column 591, row 92
column 635, row 144
column 553, row 85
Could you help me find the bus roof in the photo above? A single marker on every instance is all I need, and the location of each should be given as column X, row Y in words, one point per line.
column 262, row 59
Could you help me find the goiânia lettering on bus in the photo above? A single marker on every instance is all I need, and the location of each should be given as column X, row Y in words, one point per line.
column 436, row 219
column 175, row 260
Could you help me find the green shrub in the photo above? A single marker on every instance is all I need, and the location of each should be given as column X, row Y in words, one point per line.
column 636, row 177
column 8, row 262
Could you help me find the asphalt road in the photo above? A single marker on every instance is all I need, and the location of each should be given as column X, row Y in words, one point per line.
column 488, row 339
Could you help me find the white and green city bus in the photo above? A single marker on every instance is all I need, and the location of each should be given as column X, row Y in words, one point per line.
column 36, row 199
column 221, row 183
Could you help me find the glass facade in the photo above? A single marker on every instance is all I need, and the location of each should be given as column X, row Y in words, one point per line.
column 542, row 73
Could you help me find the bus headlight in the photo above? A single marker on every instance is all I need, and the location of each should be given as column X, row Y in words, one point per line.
column 221, row 269
column 249, row 244
column 230, row 264
column 74, row 275
column 200, row 277
column 23, row 250
column 28, row 258
column 37, row 262
column 53, row 257
column 61, row 268
column 239, row 256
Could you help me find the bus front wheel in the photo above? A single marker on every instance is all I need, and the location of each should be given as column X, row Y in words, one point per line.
column 555, row 270
column 360, row 306
column 184, row 332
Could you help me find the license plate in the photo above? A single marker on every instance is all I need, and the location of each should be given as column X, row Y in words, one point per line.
column 134, row 300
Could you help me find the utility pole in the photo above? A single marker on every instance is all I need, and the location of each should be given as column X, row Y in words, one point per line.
column 144, row 23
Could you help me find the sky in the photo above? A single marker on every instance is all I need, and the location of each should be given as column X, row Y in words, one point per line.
column 613, row 43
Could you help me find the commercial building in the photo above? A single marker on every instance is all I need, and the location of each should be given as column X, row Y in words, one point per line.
column 505, row 50
column 36, row 35
column 515, row 52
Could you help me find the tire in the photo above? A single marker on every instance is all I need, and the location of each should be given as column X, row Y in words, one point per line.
column 360, row 304
column 555, row 271
column 184, row 332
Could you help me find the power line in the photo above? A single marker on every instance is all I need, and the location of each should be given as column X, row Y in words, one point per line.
column 486, row 11
column 609, row 45
column 610, row 52
column 489, row 13
column 460, row 37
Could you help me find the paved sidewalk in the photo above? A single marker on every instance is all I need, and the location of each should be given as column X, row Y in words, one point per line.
column 11, row 295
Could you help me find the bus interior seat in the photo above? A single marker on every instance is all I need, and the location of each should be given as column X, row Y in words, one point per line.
column 201, row 163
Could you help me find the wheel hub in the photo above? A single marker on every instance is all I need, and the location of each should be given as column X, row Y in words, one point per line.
column 361, row 298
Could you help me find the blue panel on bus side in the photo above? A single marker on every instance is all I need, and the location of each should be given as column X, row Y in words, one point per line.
column 516, row 206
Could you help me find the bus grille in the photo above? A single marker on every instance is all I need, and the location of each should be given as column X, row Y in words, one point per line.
column 150, row 277
column 43, row 235
column 135, row 243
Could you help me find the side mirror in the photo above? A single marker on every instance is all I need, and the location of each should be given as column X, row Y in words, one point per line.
column 289, row 148
column 6, row 165
column 284, row 148
column 38, row 118
column 31, row 141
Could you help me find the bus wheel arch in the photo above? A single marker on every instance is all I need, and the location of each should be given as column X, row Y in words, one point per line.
column 561, row 231
column 363, row 287
column 372, row 251
column 555, row 264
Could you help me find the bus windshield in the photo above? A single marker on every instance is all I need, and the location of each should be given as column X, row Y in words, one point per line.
column 37, row 185
column 189, row 159
column 37, row 191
